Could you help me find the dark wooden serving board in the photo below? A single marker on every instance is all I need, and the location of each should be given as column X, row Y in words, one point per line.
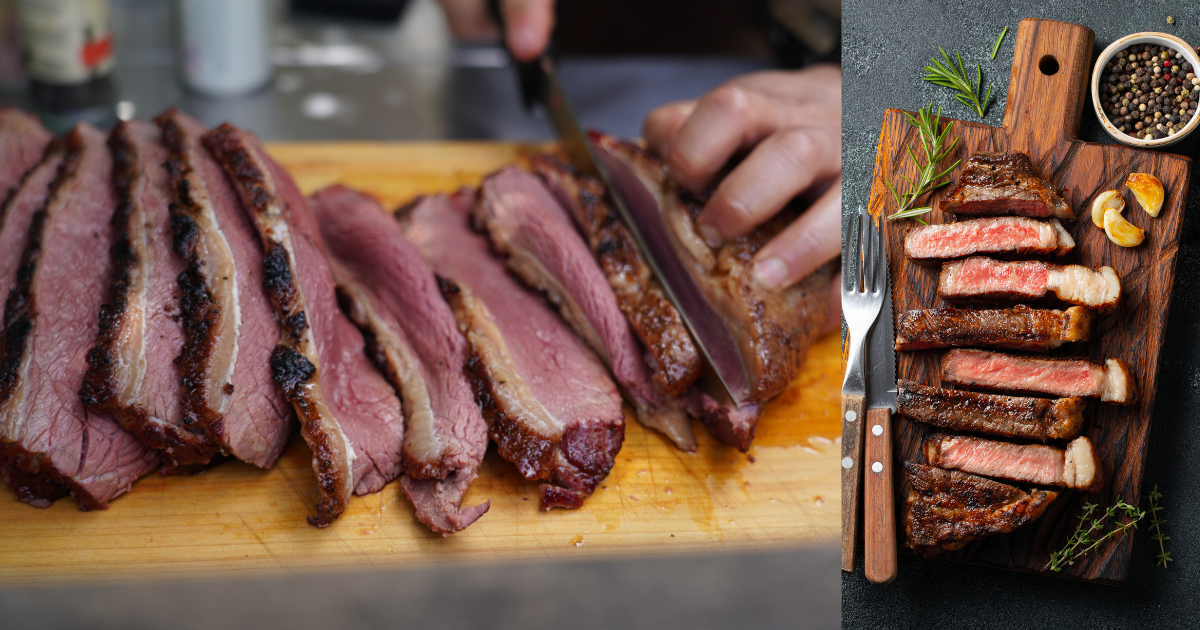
column 1050, row 78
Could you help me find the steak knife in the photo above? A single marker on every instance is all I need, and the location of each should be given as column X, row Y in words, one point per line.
column 879, row 495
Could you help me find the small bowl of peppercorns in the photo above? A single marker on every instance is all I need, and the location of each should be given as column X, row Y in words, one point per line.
column 1145, row 88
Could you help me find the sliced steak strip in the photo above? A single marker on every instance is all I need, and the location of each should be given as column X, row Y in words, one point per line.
column 527, row 224
column 23, row 142
column 1018, row 328
column 1077, row 467
column 1111, row 382
column 390, row 293
column 17, row 212
column 980, row 279
column 946, row 509
column 229, row 327
column 1003, row 237
column 1009, row 416
column 49, row 441
column 1004, row 183
column 549, row 403
column 132, row 374
column 349, row 414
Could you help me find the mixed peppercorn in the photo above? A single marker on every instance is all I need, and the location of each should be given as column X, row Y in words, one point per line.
column 1149, row 91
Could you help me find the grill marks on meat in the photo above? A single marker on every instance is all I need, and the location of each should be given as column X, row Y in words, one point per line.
column 527, row 224
column 1112, row 382
column 549, row 403
column 50, row 442
column 391, row 294
column 980, row 279
column 1003, row 237
column 23, row 143
column 1009, row 416
column 1017, row 328
column 946, row 509
column 1004, row 184
column 1077, row 467
column 349, row 414
column 132, row 374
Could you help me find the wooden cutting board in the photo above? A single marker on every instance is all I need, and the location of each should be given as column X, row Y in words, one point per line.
column 236, row 518
column 1051, row 69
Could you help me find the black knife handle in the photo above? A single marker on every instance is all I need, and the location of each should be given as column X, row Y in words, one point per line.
column 531, row 80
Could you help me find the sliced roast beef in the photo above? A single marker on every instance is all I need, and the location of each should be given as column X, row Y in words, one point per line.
column 946, row 509
column 1076, row 467
column 132, row 374
column 1111, row 382
column 349, row 414
column 549, row 403
column 17, row 211
column 49, row 441
column 1010, row 416
column 528, row 225
column 1002, row 237
column 390, row 293
column 1004, row 183
column 980, row 279
column 23, row 142
column 229, row 327
column 1018, row 328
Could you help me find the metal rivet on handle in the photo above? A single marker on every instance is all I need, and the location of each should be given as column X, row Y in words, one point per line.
column 877, row 429
column 877, row 467
column 847, row 462
column 851, row 416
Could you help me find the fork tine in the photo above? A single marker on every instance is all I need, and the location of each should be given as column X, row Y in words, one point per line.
column 869, row 253
column 847, row 254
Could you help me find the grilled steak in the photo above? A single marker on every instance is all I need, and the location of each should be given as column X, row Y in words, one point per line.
column 390, row 293
column 1018, row 328
column 1010, row 416
column 527, row 224
column 348, row 413
column 980, row 279
column 1077, row 467
column 946, row 509
column 1111, row 382
column 23, row 142
column 229, row 327
column 549, row 403
column 1004, row 183
column 1002, row 237
column 49, row 441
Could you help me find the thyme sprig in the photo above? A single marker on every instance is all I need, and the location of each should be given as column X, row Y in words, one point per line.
column 955, row 77
column 1090, row 531
column 1164, row 556
column 929, row 178
column 999, row 39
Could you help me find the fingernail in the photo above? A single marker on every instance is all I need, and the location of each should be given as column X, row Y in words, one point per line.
column 770, row 272
column 710, row 236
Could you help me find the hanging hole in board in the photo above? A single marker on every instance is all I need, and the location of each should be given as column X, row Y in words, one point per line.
column 1048, row 65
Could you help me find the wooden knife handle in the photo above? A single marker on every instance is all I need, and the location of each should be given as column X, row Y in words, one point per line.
column 879, row 499
column 853, row 416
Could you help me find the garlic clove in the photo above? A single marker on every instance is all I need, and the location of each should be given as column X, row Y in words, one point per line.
column 1120, row 231
column 1105, row 200
column 1148, row 190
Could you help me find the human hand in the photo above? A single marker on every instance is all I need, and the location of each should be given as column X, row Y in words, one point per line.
column 528, row 23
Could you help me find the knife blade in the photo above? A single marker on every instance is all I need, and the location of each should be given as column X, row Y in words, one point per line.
column 879, row 520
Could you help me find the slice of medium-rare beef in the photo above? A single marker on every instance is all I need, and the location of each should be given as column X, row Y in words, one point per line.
column 946, row 509
column 1113, row 381
column 132, row 374
column 981, row 279
column 229, row 327
column 675, row 361
column 1017, row 328
column 1004, row 183
column 1000, row 237
column 391, row 294
column 549, row 403
column 528, row 225
column 17, row 211
column 1009, row 416
column 23, row 142
column 1076, row 467
column 348, row 413
column 49, row 441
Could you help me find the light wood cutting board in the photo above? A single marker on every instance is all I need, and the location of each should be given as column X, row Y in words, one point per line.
column 237, row 518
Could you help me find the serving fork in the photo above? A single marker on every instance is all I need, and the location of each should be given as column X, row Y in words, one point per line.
column 864, row 283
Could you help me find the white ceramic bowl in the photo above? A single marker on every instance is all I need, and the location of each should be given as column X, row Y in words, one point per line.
column 1158, row 39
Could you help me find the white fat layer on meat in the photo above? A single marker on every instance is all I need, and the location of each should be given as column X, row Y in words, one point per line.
column 1064, row 241
column 1079, row 285
column 1079, row 469
column 1116, row 382
column 130, row 370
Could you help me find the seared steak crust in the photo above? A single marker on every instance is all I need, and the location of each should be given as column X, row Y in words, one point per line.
column 1017, row 328
column 1004, row 183
column 946, row 509
column 1009, row 416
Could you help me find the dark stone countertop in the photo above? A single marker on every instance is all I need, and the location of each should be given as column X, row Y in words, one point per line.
column 886, row 46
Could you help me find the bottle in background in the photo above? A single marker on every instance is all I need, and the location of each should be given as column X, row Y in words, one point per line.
column 68, row 49
column 225, row 45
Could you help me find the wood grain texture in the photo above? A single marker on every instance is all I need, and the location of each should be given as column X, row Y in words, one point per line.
column 879, row 506
column 854, row 412
column 656, row 500
column 1041, row 119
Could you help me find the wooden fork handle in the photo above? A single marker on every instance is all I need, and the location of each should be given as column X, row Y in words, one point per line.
column 879, row 499
column 853, row 417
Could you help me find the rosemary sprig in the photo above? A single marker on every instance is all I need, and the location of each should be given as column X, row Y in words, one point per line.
column 1000, row 39
column 929, row 178
column 1089, row 533
column 955, row 77
column 1164, row 556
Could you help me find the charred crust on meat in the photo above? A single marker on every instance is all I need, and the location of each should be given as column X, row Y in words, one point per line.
column 277, row 276
column 532, row 454
column 38, row 482
column 290, row 370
